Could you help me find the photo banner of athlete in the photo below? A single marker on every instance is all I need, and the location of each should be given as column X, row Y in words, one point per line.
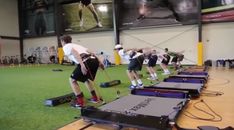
column 87, row 16
column 158, row 13
column 217, row 11
column 38, row 17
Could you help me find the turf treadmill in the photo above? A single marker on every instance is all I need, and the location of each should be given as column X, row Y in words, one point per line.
column 204, row 77
column 143, row 112
column 192, row 89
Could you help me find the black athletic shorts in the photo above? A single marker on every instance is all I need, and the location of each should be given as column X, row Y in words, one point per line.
column 167, row 59
column 174, row 59
column 136, row 63
column 92, row 65
column 180, row 57
column 152, row 60
column 85, row 2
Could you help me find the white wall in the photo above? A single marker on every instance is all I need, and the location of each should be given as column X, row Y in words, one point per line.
column 97, row 42
column 9, row 27
column 31, row 46
column 174, row 38
column 218, row 41
column 217, row 38
column 39, row 42
column 9, row 18
column 9, row 47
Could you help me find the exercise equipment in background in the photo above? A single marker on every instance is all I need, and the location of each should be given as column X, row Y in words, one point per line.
column 110, row 82
column 59, row 100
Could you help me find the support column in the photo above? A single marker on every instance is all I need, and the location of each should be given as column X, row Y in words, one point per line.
column 200, row 44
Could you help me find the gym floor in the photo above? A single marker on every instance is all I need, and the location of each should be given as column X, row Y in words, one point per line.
column 24, row 90
column 217, row 94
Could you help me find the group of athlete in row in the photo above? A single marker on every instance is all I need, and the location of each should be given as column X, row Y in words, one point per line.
column 136, row 58
column 88, row 64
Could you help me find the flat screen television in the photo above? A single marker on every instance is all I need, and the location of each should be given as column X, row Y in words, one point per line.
column 157, row 13
column 81, row 16
column 217, row 11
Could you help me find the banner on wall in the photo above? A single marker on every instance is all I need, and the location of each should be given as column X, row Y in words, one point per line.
column 38, row 17
column 217, row 11
column 87, row 16
column 148, row 13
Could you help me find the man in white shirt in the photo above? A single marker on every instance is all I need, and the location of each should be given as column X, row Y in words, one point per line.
column 136, row 60
column 87, row 66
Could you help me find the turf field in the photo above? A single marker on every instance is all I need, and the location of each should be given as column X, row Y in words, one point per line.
column 24, row 89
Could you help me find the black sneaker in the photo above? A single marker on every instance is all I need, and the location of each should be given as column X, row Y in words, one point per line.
column 132, row 87
column 93, row 100
column 141, row 17
column 77, row 106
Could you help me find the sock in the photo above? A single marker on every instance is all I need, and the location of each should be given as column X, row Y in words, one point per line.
column 139, row 81
column 155, row 75
column 79, row 99
column 133, row 83
column 81, row 95
column 152, row 75
column 94, row 95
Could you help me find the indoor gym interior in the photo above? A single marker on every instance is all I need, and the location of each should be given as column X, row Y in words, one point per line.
column 203, row 30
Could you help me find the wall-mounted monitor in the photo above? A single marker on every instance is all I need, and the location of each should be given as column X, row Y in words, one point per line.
column 86, row 16
column 217, row 11
column 157, row 13
column 38, row 18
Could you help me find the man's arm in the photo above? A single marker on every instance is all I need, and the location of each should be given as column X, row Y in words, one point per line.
column 77, row 56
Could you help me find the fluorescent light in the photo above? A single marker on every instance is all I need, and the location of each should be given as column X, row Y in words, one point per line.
column 102, row 8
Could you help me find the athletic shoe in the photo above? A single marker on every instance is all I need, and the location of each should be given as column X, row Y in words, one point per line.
column 141, row 17
column 132, row 87
column 76, row 105
column 93, row 100
column 166, row 73
column 139, row 86
column 99, row 24
column 151, row 78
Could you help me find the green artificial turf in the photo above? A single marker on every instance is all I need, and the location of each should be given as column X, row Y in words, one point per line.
column 24, row 89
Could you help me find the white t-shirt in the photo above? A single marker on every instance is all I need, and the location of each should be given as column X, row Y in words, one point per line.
column 126, row 55
column 161, row 56
column 123, row 54
column 68, row 51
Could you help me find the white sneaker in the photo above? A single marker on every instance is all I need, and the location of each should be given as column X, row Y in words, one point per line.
column 139, row 86
column 132, row 87
column 152, row 78
column 81, row 23
column 99, row 24
column 166, row 73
